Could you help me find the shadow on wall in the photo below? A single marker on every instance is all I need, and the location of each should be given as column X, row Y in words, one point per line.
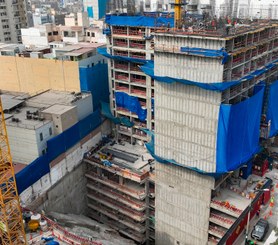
column 164, row 238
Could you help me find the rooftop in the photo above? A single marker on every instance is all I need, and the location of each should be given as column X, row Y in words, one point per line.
column 79, row 49
column 19, row 119
column 58, row 109
column 10, row 102
column 52, row 97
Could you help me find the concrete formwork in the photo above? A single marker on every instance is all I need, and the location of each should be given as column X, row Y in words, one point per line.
column 182, row 206
column 186, row 125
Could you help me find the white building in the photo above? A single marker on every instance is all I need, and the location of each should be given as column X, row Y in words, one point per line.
column 40, row 35
column 27, row 131
column 33, row 121
column 13, row 17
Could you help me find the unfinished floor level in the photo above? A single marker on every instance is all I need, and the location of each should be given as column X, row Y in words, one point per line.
column 119, row 190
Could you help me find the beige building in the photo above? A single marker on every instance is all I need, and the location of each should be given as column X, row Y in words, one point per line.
column 29, row 75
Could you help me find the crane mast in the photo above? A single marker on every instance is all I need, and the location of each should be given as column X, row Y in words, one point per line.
column 11, row 225
column 178, row 8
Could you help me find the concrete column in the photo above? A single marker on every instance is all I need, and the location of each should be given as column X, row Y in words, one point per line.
column 121, row 180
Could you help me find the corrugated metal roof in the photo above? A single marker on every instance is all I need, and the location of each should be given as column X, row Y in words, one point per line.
column 9, row 102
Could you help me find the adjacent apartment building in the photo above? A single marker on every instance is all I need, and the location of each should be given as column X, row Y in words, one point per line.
column 13, row 18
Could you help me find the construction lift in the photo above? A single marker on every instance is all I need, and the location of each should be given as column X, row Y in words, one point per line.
column 11, row 224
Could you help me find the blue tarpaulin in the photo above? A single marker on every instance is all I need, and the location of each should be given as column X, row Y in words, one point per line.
column 32, row 173
column 221, row 53
column 105, row 111
column 103, row 51
column 272, row 108
column 148, row 69
column 238, row 132
column 90, row 12
column 137, row 21
column 95, row 80
column 55, row 147
column 131, row 103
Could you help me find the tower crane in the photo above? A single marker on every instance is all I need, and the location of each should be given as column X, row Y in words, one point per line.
column 11, row 225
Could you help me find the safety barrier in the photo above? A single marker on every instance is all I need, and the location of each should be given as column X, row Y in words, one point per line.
column 222, row 219
column 227, row 206
column 67, row 236
column 216, row 230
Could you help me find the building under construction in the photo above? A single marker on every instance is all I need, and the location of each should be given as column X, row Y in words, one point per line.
column 208, row 87
column 193, row 102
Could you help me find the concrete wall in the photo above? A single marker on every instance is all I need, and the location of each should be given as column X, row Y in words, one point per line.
column 23, row 144
column 181, row 206
column 69, row 194
column 26, row 144
column 84, row 107
column 61, row 189
column 186, row 120
column 186, row 124
column 36, row 75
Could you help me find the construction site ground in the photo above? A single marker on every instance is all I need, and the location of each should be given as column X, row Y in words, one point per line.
column 80, row 226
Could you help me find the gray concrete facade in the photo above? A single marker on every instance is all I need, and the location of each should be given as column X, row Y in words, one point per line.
column 182, row 206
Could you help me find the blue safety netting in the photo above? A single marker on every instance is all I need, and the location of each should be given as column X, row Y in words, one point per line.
column 105, row 111
column 237, row 137
column 103, row 51
column 55, row 147
column 139, row 21
column 95, row 80
column 272, row 108
column 32, row 173
column 131, row 103
column 239, row 132
column 148, row 69
column 221, row 53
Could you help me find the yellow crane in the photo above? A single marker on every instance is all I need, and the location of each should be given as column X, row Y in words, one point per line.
column 11, row 225
column 178, row 6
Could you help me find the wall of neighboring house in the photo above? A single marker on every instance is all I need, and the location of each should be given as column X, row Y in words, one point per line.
column 33, row 75
column 28, row 144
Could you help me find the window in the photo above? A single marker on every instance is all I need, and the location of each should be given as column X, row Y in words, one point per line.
column 93, row 34
column 41, row 137
column 50, row 131
column 55, row 33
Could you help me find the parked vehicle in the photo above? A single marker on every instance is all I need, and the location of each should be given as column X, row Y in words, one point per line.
column 260, row 229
